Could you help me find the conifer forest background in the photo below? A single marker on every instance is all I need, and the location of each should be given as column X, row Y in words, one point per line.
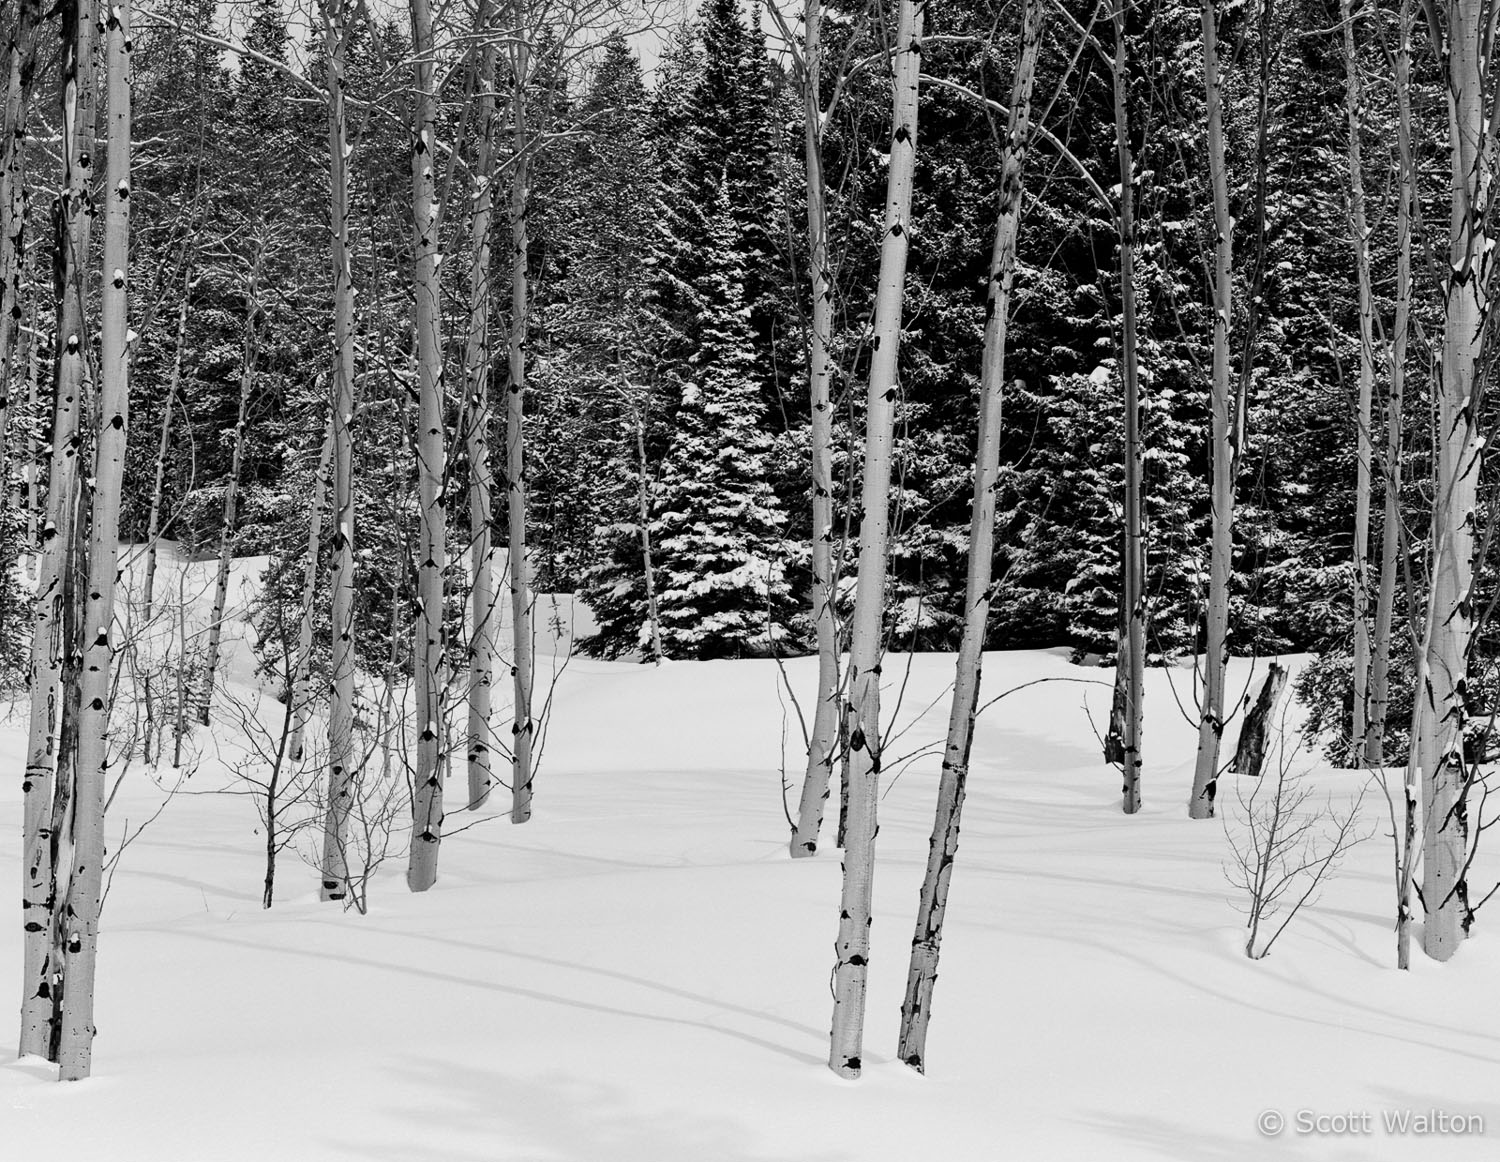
column 447, row 346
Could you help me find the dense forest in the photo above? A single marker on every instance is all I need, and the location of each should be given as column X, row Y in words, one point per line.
column 1157, row 332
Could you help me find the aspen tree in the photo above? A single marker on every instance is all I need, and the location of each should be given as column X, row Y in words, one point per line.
column 249, row 355
column 822, row 743
column 1359, row 236
column 427, row 796
column 341, row 772
column 1224, row 441
column 47, row 783
column 932, row 906
column 80, row 919
column 1456, row 462
column 300, row 688
column 862, row 714
column 1390, row 531
column 485, row 629
column 164, row 445
column 523, row 727
column 1130, row 664
column 643, row 515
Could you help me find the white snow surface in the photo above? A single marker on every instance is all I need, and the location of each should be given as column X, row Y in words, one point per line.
column 641, row 972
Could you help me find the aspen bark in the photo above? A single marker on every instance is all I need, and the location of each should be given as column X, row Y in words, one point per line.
column 1221, row 403
column 341, row 772
column 300, row 691
column 1390, row 531
column 427, row 796
column 249, row 356
column 822, row 743
column 484, row 633
column 1445, row 771
column 1130, row 664
column 43, row 789
column 14, row 200
column 1359, row 236
column 80, row 921
column 862, row 714
column 932, row 906
column 174, row 385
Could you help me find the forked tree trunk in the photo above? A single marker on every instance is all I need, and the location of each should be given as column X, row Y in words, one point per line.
column 335, row 866
column 1445, row 770
column 822, row 743
column 1359, row 236
column 51, row 643
column 852, row 949
column 427, row 796
column 299, row 693
column 81, row 916
column 942, row 848
column 523, row 728
column 1130, row 664
column 1390, row 531
column 163, row 448
column 249, row 356
column 1221, row 403
column 483, row 611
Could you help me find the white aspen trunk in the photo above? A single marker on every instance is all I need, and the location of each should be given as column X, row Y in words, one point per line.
column 1130, row 664
column 1216, row 619
column 427, row 796
column 174, row 385
column 822, row 743
column 643, row 513
column 14, row 200
column 335, row 867
column 483, row 642
column 523, row 728
column 248, row 357
column 1359, row 236
column 50, row 644
column 1390, row 533
column 299, row 694
column 1456, row 473
column 81, row 916
column 942, row 848
column 852, row 948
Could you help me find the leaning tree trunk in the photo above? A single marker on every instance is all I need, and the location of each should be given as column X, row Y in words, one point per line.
column 81, row 915
column 1391, row 531
column 427, row 796
column 852, row 948
column 1445, row 773
column 1221, row 402
column 1359, row 236
column 822, row 743
column 1130, row 664
column 335, row 865
column 58, row 548
column 249, row 356
column 942, row 848
column 14, row 200
column 523, row 727
column 484, row 633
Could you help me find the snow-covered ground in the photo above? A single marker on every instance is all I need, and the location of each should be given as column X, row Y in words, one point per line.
column 642, row 973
